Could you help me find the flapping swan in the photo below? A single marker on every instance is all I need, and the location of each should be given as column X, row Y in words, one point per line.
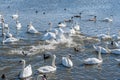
column 103, row 50
column 66, row 61
column 49, row 36
column 31, row 29
column 94, row 60
column 26, row 70
column 48, row 69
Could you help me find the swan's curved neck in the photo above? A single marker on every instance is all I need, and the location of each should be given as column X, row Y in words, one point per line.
column 53, row 62
column 24, row 64
column 99, row 54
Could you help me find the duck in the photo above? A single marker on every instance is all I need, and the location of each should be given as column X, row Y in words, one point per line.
column 93, row 19
column 48, row 69
column 103, row 50
column 76, row 49
column 92, row 61
column 31, row 29
column 108, row 19
column 26, row 70
column 3, row 77
column 69, row 20
column 42, row 77
column 67, row 62
column 78, row 16
column 47, row 55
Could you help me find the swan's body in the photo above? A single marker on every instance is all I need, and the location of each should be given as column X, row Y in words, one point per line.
column 62, row 24
column 76, row 27
column 18, row 25
column 114, row 44
column 67, row 62
column 9, row 40
column 48, row 69
column 108, row 19
column 15, row 16
column 69, row 30
column 104, row 36
column 115, row 51
column 94, row 60
column 8, row 34
column 26, row 71
column 31, row 29
column 49, row 36
column 103, row 50
column 115, row 37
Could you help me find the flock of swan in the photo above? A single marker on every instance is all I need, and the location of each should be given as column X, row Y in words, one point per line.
column 58, row 34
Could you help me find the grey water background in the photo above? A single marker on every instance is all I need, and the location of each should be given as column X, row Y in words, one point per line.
column 54, row 12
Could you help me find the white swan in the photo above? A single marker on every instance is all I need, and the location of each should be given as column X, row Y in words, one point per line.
column 62, row 24
column 9, row 40
column 114, row 44
column 103, row 50
column 31, row 29
column 18, row 25
column 26, row 70
column 115, row 37
column 76, row 27
column 67, row 62
column 48, row 69
column 8, row 34
column 49, row 36
column 115, row 51
column 94, row 60
column 108, row 19
column 104, row 36
column 15, row 16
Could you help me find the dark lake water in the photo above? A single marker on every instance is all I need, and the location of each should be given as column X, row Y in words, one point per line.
column 10, row 54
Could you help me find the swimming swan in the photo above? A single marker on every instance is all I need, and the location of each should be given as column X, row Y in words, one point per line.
column 67, row 62
column 31, row 29
column 15, row 16
column 48, row 69
column 26, row 71
column 103, row 50
column 9, row 40
column 18, row 25
column 94, row 60
column 108, row 19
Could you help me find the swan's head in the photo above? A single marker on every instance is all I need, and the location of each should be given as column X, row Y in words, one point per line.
column 54, row 56
column 22, row 61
